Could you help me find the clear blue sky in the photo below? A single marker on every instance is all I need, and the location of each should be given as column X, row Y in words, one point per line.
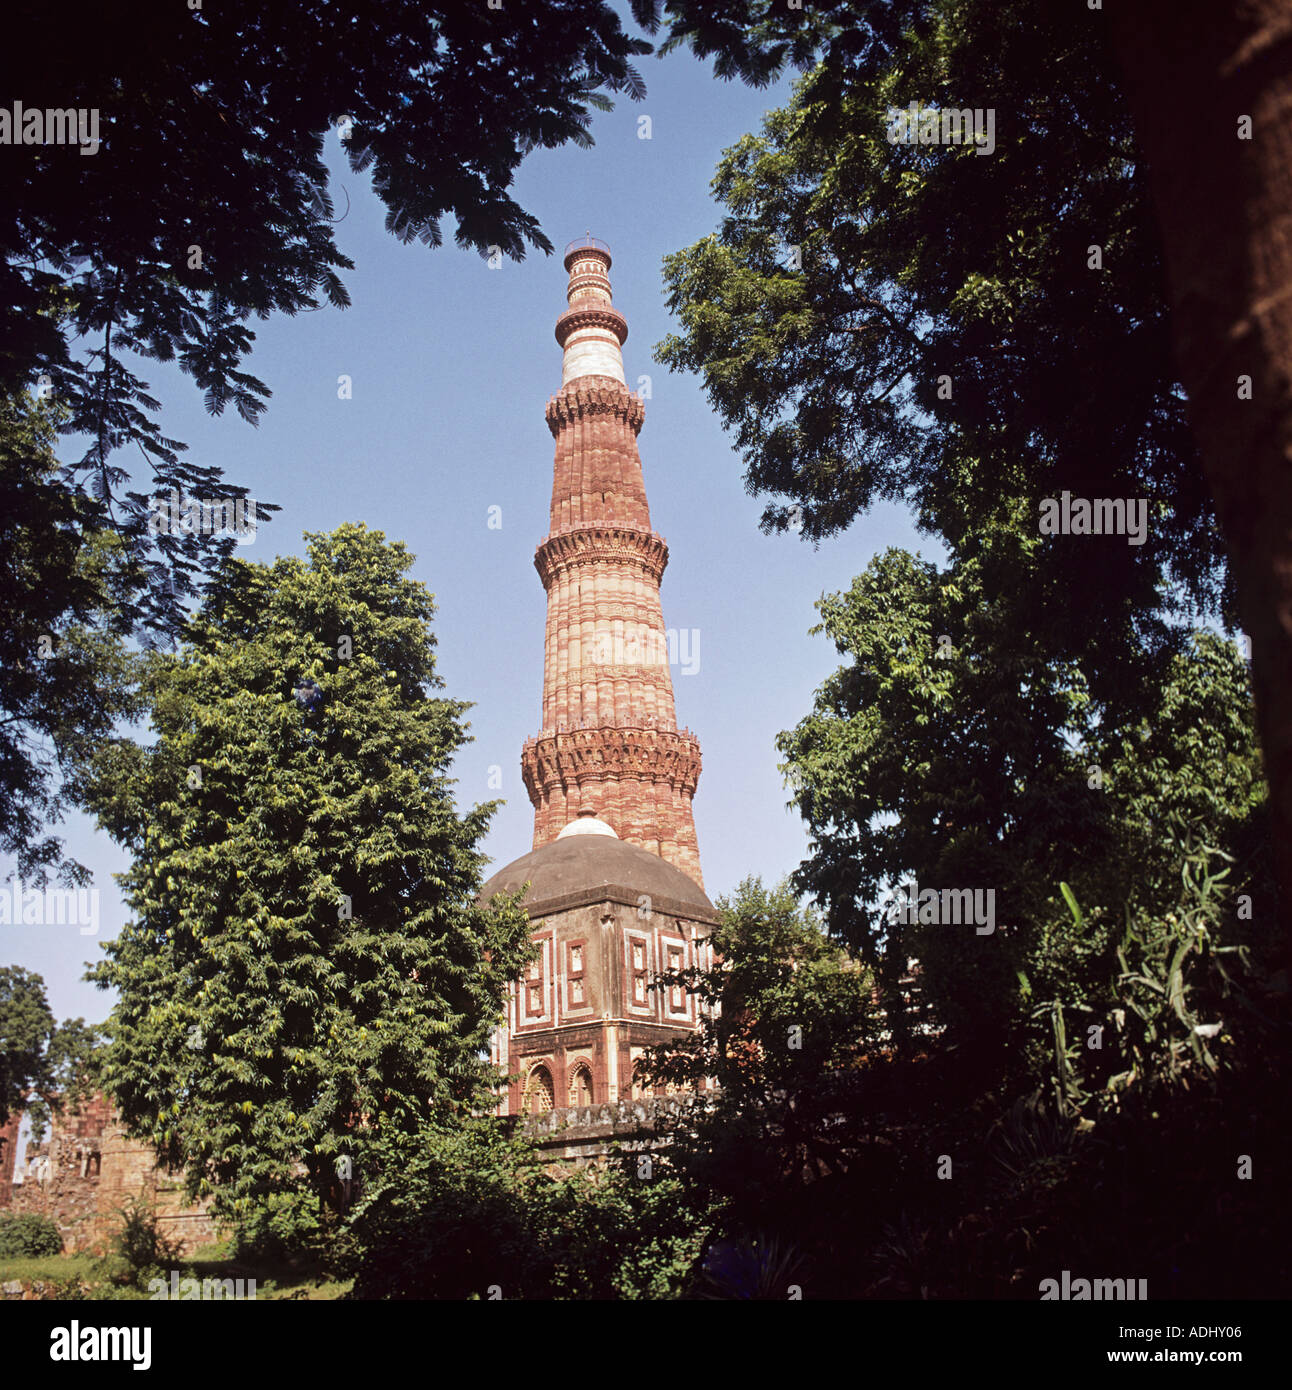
column 452, row 364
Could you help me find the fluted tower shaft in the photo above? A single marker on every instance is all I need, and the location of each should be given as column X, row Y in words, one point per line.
column 610, row 741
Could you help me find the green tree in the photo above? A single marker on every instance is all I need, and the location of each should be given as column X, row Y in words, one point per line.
column 66, row 586
column 43, row 1065
column 786, row 1019
column 983, row 766
column 949, row 762
column 26, row 1029
column 305, row 969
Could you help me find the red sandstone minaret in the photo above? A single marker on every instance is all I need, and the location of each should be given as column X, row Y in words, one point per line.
column 610, row 742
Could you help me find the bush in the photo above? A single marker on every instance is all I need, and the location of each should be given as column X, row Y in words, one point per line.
column 289, row 1230
column 29, row 1235
column 139, row 1246
column 456, row 1216
column 757, row 1267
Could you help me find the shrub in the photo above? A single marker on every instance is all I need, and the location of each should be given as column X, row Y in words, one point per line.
column 756, row 1267
column 29, row 1235
column 460, row 1215
column 140, row 1246
column 290, row 1230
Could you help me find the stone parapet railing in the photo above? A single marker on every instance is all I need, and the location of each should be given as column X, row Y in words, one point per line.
column 611, row 1120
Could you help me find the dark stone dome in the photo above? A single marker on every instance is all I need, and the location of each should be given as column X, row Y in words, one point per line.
column 579, row 869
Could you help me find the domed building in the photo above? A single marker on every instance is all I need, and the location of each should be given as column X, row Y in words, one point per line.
column 615, row 891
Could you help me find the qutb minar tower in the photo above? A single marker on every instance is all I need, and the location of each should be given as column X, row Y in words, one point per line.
column 612, row 883
column 609, row 745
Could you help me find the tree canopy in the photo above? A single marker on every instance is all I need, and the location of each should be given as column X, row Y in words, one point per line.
column 205, row 204
column 43, row 1065
column 913, row 322
column 305, row 968
column 895, row 308
column 973, row 763
column 66, row 588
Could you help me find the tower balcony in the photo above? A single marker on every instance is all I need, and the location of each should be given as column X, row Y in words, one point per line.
column 592, row 543
column 585, row 316
column 586, row 243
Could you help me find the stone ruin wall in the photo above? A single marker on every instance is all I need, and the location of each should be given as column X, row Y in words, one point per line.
column 86, row 1170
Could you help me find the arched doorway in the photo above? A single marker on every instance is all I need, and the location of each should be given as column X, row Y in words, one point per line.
column 581, row 1085
column 539, row 1092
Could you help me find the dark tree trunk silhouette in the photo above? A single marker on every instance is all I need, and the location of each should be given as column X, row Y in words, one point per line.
column 1197, row 73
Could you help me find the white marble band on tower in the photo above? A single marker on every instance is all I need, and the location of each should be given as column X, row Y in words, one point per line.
column 592, row 352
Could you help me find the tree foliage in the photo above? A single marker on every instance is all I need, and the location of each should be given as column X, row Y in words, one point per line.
column 975, row 765
column 472, row 1214
column 43, row 1065
column 305, row 968
column 206, row 203
column 787, row 1020
column 915, row 322
column 26, row 1028
column 66, row 588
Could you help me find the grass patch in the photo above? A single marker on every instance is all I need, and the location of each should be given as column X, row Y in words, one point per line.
column 311, row 1289
column 98, row 1282
column 47, row 1267
column 208, row 1262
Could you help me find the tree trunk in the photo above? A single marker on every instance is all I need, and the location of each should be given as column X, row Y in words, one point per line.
column 1192, row 71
